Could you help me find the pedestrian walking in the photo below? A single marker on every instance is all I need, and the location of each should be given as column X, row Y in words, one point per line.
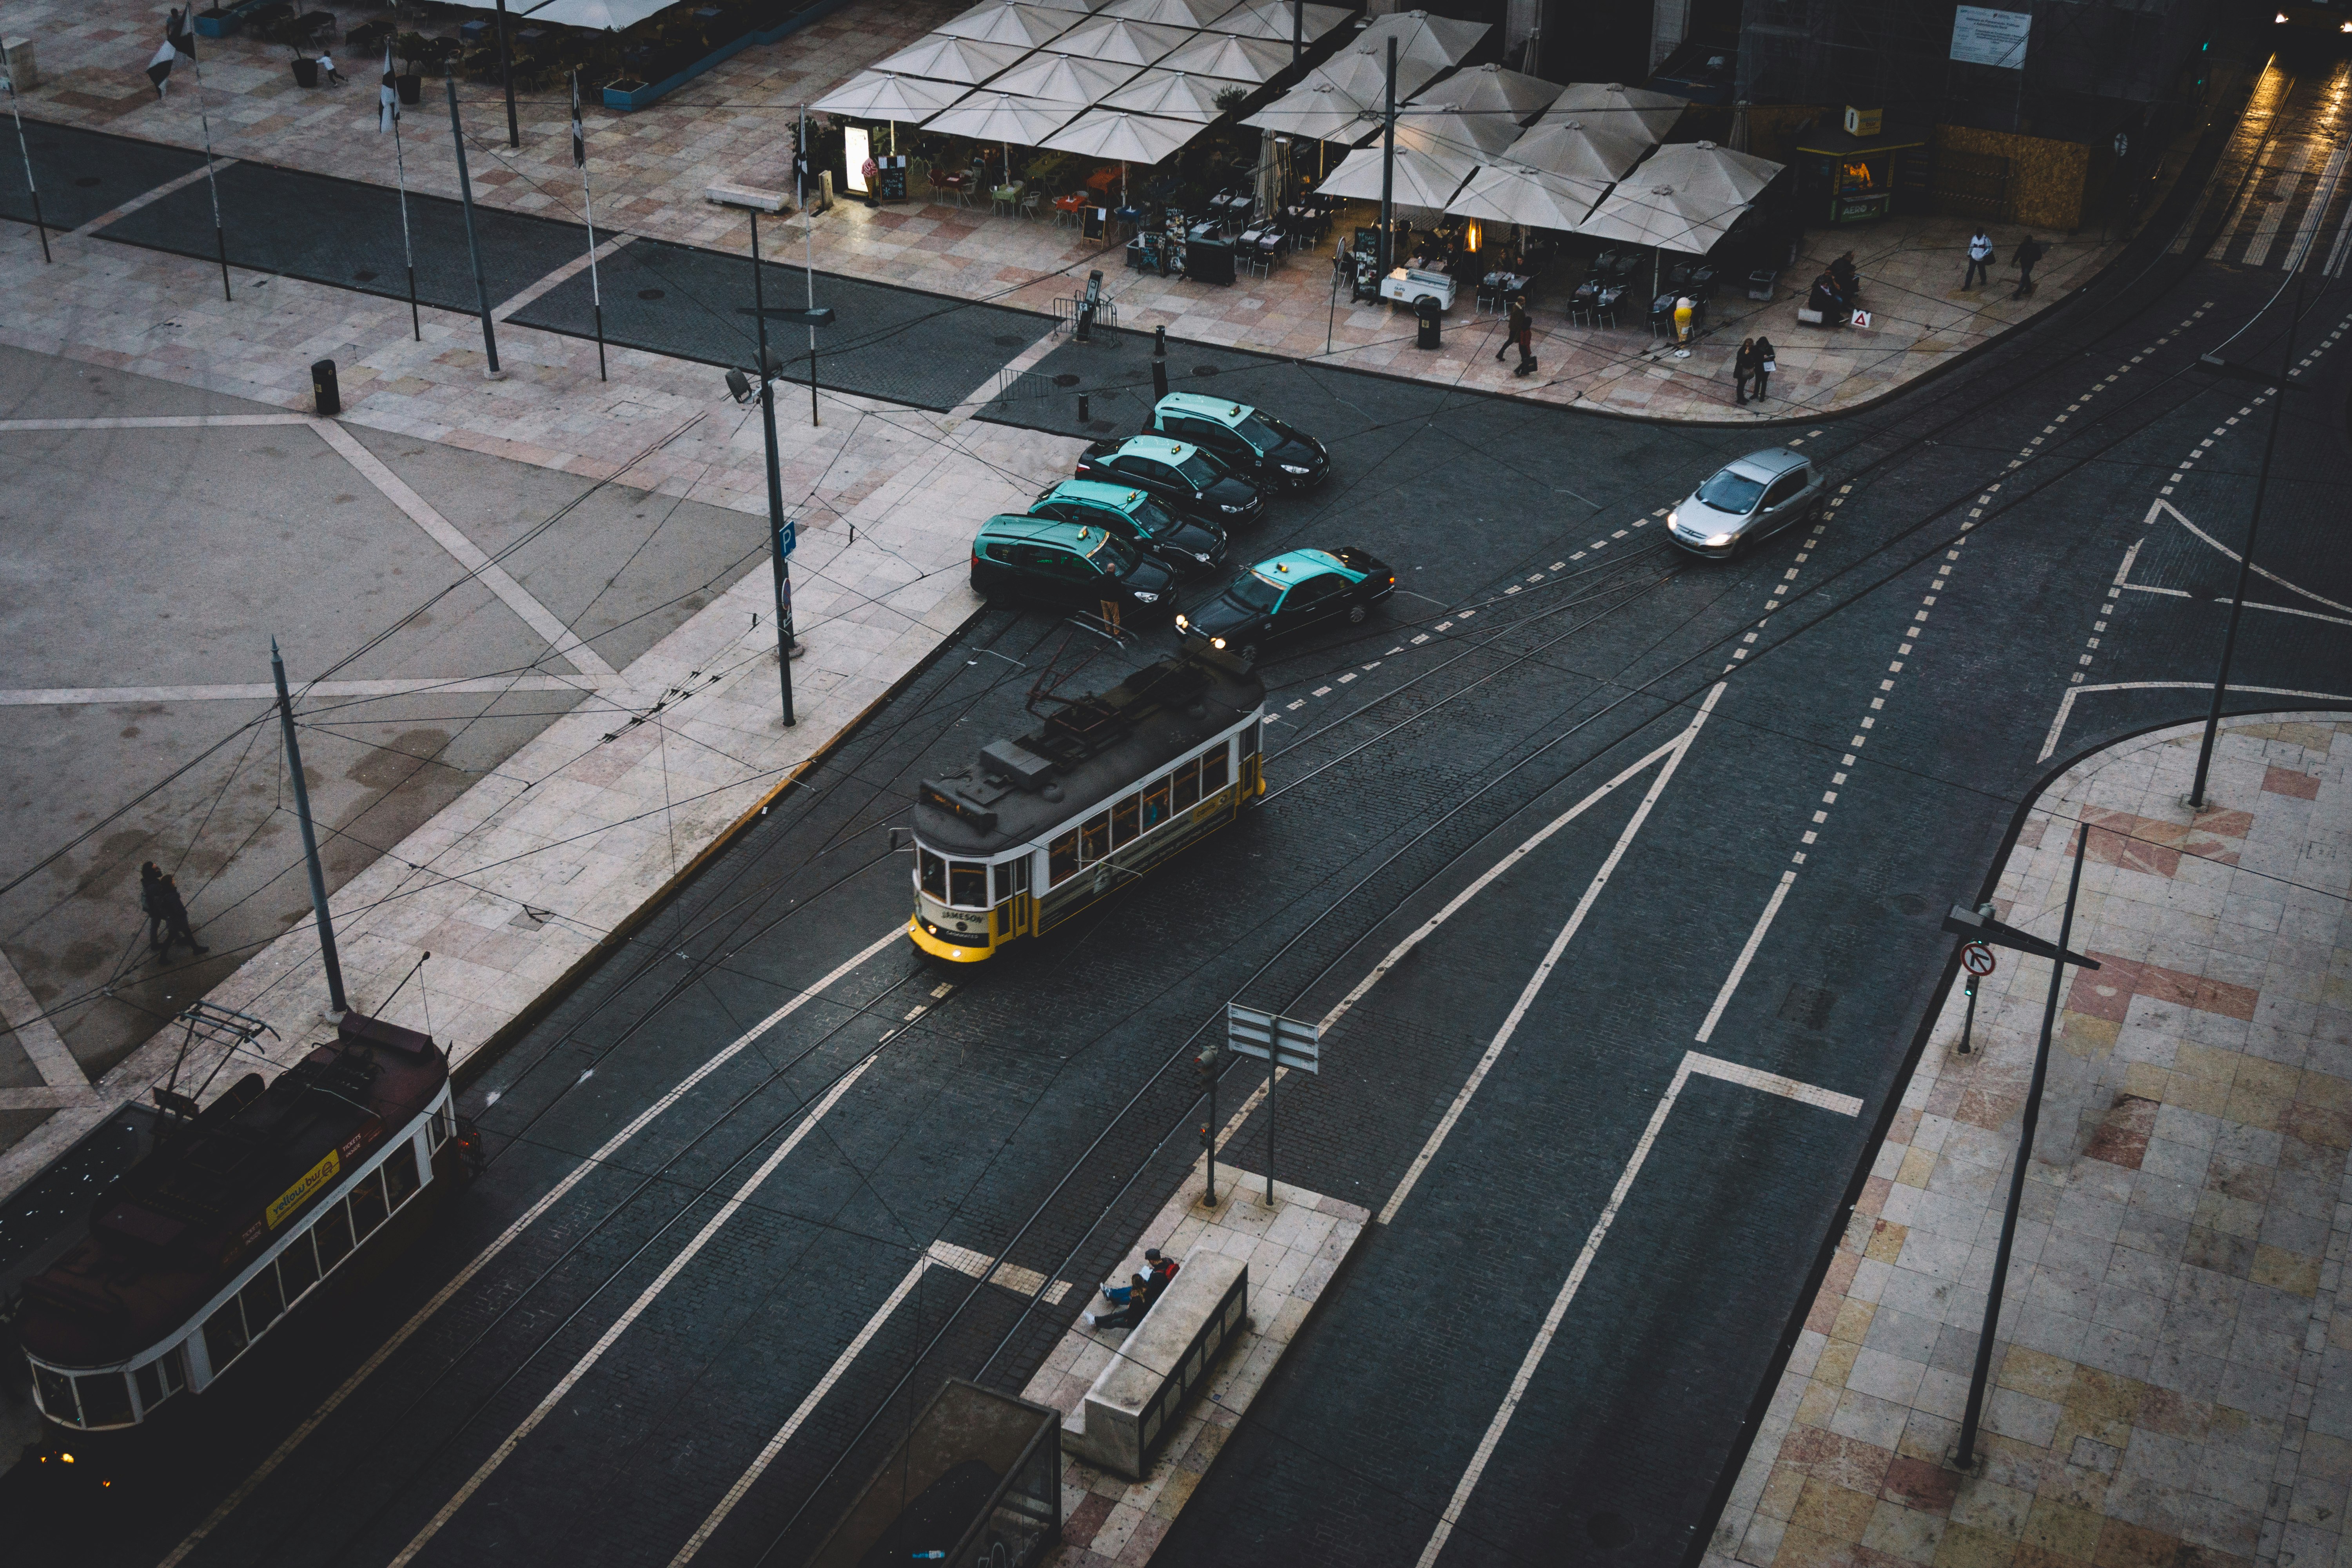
column 327, row 72
column 2029, row 251
column 175, row 918
column 1519, row 331
column 1743, row 365
column 1684, row 311
column 1979, row 260
column 1764, row 368
column 151, row 877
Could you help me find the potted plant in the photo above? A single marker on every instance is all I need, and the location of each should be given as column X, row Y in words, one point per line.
column 287, row 31
column 409, row 84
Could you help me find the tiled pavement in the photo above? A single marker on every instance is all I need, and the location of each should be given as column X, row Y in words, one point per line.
column 517, row 881
column 2173, row 1387
column 651, row 170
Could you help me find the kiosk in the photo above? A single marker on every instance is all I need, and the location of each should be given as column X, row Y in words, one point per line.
column 1842, row 178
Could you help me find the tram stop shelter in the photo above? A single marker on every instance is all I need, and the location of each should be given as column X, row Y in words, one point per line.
column 977, row 1478
column 1842, row 178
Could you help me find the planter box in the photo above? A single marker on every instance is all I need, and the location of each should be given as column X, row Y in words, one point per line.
column 223, row 20
column 306, row 73
column 626, row 99
column 411, row 88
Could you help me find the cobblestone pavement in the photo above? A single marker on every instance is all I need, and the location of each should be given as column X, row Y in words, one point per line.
column 652, row 168
column 2169, row 1382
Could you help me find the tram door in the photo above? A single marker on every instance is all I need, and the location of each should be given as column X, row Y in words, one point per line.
column 1015, row 910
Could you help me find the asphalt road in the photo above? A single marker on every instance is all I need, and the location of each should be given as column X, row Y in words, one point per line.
column 1847, row 774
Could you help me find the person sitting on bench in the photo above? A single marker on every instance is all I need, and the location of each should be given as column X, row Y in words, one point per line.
column 1131, row 1301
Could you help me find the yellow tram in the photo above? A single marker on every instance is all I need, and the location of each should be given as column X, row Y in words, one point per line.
column 1107, row 786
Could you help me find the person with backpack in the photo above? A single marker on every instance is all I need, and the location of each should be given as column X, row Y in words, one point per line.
column 1979, row 260
column 175, row 914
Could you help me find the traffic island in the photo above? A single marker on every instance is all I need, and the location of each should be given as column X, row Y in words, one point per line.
column 2169, row 1384
column 1109, row 1384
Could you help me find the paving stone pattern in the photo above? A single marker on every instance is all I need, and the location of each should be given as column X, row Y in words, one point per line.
column 2172, row 1386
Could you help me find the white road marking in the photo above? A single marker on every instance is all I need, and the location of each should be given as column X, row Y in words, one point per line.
column 491, row 575
column 1680, row 748
column 101, row 696
column 2329, row 177
column 529, row 1216
column 2290, row 181
column 2162, row 505
column 145, row 197
column 1692, row 1062
column 52, row 1097
column 38, row 1038
column 1747, row 955
column 560, row 276
column 157, row 422
column 2066, row 703
column 645, row 1298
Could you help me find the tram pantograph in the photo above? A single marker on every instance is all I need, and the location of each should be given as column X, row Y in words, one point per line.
column 1106, row 787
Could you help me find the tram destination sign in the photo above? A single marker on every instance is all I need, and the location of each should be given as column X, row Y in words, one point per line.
column 1290, row 1043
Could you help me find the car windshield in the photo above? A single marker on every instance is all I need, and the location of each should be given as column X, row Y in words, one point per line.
column 1114, row 555
column 1259, row 433
column 1253, row 592
column 1731, row 491
column 1197, row 472
column 1155, row 521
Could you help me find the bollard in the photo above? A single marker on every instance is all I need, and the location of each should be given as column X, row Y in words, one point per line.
column 324, row 390
column 1159, row 343
column 1084, row 418
column 1158, row 380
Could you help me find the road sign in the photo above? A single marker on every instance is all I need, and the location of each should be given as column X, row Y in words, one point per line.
column 788, row 538
column 1977, row 958
column 1287, row 1041
column 1860, row 320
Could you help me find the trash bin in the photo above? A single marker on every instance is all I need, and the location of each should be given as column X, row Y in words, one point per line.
column 328, row 396
column 1428, row 310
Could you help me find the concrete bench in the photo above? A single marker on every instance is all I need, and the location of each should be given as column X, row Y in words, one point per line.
column 1162, row 1363
column 728, row 194
column 1811, row 318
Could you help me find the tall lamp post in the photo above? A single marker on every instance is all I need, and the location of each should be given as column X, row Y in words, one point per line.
column 782, row 536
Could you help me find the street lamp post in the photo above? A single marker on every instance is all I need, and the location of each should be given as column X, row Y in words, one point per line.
column 781, row 538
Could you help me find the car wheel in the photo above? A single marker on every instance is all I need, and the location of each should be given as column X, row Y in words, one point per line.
column 1356, row 614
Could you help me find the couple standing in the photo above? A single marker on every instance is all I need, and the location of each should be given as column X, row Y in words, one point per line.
column 1754, row 359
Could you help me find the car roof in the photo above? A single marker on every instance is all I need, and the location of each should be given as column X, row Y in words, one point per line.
column 1769, row 464
column 1119, row 497
column 1159, row 449
column 1223, row 411
column 1041, row 529
column 1297, row 565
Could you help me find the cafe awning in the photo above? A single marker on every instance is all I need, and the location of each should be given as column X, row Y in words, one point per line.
column 1229, row 55
column 1174, row 94
column 1581, row 149
column 1486, row 134
column 1319, row 111
column 1131, row 138
column 944, row 59
column 1513, row 193
column 1009, row 22
column 1116, row 39
column 1423, row 179
column 1491, row 91
column 992, row 116
column 1168, row 12
column 1684, row 199
column 1076, row 79
column 1601, row 103
column 1274, row 19
column 1435, row 41
column 881, row 95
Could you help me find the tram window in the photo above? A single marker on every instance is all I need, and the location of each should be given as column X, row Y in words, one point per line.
column 1012, row 876
column 1155, row 806
column 105, row 1399
column 968, row 884
column 400, row 1176
column 298, row 1265
column 444, row 1124
column 225, row 1335
column 1093, row 841
column 57, row 1395
column 1186, row 784
column 1061, row 858
column 333, row 1234
column 1213, row 773
column 935, row 873
column 367, row 1205
column 151, row 1385
column 1122, row 821
column 1249, row 739
column 262, row 1301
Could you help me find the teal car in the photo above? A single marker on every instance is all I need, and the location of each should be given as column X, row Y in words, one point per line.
column 1286, row 596
column 1068, row 566
column 1188, row 546
column 1247, row 440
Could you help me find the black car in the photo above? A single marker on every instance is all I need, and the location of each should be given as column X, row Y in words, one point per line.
column 1068, row 565
column 1185, row 545
column 1291, row 594
column 1246, row 440
column 1183, row 475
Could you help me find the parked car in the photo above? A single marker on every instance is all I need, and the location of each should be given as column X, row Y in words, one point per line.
column 1067, row 566
column 1746, row 501
column 1188, row 546
column 1292, row 593
column 1180, row 474
column 1245, row 439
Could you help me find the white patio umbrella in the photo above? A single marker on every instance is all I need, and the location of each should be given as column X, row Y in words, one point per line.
column 1078, row 7
column 1492, row 93
column 1436, row 41
column 1116, row 39
column 1685, row 199
column 1274, row 19
column 1169, row 13
column 1173, row 94
column 1594, row 149
column 1231, row 58
column 1064, row 78
column 1362, row 70
column 1513, row 193
column 881, row 95
column 988, row 115
column 598, row 15
column 1129, row 137
column 1423, row 179
column 1705, row 165
column 941, row 57
column 1319, row 111
column 1008, row 22
column 1486, row 135
column 1655, row 112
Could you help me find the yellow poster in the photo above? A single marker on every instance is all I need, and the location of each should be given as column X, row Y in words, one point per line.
column 317, row 1176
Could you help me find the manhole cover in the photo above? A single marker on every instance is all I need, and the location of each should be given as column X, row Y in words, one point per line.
column 1609, row 1530
column 1807, row 1007
column 1065, row 379
column 1007, row 340
column 649, row 294
column 1205, row 370
column 87, row 181
column 364, row 276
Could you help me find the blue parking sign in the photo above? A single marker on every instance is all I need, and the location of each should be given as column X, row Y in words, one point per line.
column 787, row 537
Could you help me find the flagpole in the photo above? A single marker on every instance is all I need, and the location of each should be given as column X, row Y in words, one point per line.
column 588, row 206
column 220, row 236
column 808, row 247
column 400, row 163
column 38, row 223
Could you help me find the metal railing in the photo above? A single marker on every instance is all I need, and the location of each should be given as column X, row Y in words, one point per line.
column 1067, row 312
column 1022, row 386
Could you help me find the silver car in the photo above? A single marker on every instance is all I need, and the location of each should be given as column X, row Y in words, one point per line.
column 1746, row 499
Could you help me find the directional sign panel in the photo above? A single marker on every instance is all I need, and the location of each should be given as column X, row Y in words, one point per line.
column 1290, row 1043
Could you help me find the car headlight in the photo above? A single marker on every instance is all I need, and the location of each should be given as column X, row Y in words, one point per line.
column 1216, row 642
column 1717, row 540
column 1202, row 556
column 1296, row 469
column 1674, row 517
column 1182, row 623
column 1228, row 506
column 1144, row 596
